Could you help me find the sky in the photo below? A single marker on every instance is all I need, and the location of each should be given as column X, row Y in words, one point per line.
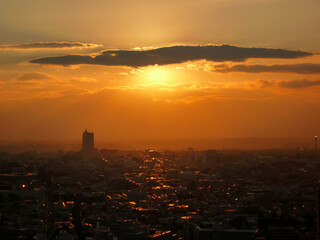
column 150, row 69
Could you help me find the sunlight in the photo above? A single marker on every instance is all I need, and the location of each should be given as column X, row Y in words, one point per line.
column 157, row 74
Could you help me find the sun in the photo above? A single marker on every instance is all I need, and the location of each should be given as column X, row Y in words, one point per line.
column 157, row 74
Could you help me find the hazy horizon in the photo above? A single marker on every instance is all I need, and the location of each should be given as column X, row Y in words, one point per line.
column 164, row 144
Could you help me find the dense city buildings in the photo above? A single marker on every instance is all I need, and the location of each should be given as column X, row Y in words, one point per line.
column 192, row 195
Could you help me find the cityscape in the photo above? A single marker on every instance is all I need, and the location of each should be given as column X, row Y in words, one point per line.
column 148, row 194
column 159, row 120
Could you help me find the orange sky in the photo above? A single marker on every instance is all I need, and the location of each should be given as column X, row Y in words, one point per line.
column 253, row 69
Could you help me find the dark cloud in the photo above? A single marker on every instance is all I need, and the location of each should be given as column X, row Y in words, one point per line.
column 303, row 68
column 172, row 55
column 32, row 76
column 297, row 84
column 49, row 45
column 65, row 60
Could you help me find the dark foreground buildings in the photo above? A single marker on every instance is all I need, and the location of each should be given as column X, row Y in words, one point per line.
column 152, row 195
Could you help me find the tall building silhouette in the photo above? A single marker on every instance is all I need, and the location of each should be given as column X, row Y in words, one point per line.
column 87, row 142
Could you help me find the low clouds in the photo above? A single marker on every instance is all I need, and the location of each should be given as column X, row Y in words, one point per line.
column 303, row 68
column 173, row 55
column 32, row 76
column 260, row 83
column 290, row 84
column 298, row 84
column 40, row 45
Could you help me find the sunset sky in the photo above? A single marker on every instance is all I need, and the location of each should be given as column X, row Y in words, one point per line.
column 151, row 69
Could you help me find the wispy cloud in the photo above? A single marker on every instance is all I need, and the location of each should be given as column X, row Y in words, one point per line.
column 32, row 76
column 40, row 45
column 290, row 84
column 303, row 68
column 173, row 55
column 298, row 84
column 260, row 83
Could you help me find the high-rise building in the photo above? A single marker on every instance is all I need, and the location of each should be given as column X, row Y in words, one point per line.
column 87, row 142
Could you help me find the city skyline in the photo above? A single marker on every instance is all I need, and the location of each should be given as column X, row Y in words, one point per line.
column 159, row 120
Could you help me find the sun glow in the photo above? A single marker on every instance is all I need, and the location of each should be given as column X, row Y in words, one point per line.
column 157, row 74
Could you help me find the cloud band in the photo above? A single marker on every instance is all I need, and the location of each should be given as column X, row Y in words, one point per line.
column 41, row 45
column 303, row 68
column 173, row 55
